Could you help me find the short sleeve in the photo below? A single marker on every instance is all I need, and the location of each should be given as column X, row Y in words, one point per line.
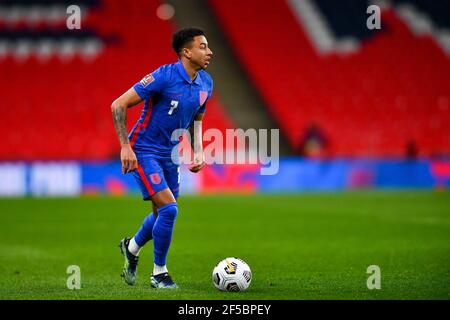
column 151, row 84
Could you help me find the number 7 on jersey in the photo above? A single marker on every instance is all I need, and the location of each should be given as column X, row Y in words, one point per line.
column 174, row 105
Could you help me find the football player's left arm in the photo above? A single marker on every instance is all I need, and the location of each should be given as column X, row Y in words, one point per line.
column 197, row 143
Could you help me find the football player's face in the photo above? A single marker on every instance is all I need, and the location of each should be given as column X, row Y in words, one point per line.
column 199, row 53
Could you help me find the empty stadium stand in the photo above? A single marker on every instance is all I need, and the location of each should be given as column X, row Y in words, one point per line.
column 57, row 85
column 371, row 94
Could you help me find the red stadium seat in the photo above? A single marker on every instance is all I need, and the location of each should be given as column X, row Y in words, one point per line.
column 371, row 102
column 61, row 110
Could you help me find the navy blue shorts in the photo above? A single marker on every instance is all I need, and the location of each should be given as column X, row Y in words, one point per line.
column 155, row 174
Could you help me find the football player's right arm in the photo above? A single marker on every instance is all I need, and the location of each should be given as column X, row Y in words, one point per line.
column 119, row 113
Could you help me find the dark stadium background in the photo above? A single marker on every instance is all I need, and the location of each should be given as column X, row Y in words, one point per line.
column 364, row 120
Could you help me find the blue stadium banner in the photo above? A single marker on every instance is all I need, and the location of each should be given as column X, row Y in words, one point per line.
column 294, row 175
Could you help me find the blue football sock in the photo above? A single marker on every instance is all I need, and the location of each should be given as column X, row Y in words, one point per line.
column 162, row 232
column 144, row 234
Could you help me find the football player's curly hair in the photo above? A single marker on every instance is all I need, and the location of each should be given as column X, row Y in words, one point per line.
column 183, row 37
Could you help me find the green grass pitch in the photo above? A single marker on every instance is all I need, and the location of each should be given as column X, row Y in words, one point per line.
column 308, row 246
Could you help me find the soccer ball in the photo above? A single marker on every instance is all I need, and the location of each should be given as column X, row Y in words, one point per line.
column 232, row 274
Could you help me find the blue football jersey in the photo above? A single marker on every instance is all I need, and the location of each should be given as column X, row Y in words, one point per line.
column 171, row 101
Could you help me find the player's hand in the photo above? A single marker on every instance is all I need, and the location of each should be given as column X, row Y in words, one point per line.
column 128, row 158
column 199, row 162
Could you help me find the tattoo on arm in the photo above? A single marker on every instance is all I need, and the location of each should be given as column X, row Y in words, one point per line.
column 120, row 120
